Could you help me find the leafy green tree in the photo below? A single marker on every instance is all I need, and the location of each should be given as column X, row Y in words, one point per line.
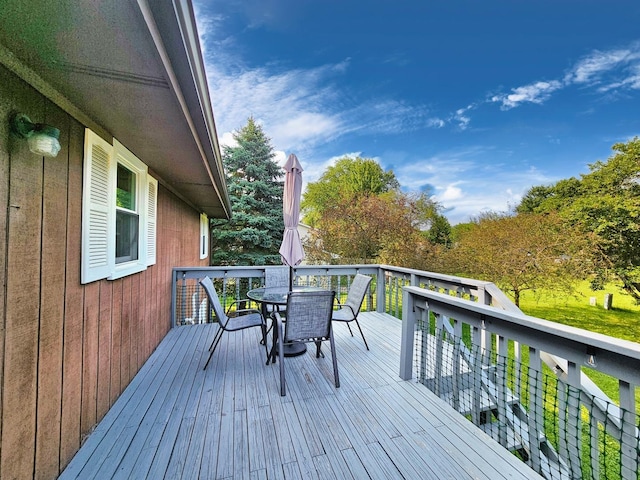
column 255, row 182
column 459, row 230
column 555, row 197
column 606, row 203
column 522, row 252
column 359, row 214
column 349, row 178
column 370, row 228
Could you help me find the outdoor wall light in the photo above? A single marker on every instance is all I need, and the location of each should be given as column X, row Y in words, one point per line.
column 42, row 139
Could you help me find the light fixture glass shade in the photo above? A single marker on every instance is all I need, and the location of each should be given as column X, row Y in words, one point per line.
column 42, row 139
column 42, row 144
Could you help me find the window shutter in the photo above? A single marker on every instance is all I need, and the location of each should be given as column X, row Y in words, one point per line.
column 152, row 207
column 98, row 248
column 204, row 236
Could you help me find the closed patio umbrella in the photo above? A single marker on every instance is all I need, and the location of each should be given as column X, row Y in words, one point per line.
column 291, row 249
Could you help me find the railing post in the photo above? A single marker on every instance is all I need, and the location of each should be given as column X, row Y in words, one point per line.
column 183, row 299
column 570, row 434
column 629, row 433
column 174, row 286
column 381, row 299
column 535, row 417
column 408, row 335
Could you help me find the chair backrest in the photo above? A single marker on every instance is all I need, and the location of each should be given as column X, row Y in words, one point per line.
column 276, row 276
column 357, row 291
column 207, row 284
column 308, row 315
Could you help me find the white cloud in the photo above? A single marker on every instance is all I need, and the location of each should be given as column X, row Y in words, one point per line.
column 590, row 68
column 451, row 193
column 301, row 109
column 464, row 184
column 436, row 123
column 227, row 140
column 288, row 104
column 605, row 70
column 537, row 92
column 304, row 127
column 298, row 108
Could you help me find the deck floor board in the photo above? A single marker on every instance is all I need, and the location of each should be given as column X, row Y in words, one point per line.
column 177, row 420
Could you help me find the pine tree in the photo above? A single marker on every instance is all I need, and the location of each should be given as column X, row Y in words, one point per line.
column 255, row 182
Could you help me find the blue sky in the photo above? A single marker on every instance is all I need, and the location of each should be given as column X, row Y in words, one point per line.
column 472, row 102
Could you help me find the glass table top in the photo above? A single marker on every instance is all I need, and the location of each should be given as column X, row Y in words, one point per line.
column 278, row 295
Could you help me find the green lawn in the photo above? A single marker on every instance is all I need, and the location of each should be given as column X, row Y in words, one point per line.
column 622, row 321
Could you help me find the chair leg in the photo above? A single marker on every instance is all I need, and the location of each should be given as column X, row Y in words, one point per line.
column 208, row 359
column 283, row 390
column 266, row 332
column 214, row 345
column 362, row 333
column 349, row 327
column 335, row 360
column 216, row 338
column 264, row 341
column 271, row 355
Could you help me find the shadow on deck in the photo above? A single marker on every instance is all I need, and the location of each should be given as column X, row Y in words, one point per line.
column 177, row 421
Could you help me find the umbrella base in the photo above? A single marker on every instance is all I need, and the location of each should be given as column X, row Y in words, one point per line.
column 294, row 350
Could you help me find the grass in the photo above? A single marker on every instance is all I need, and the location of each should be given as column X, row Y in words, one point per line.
column 621, row 321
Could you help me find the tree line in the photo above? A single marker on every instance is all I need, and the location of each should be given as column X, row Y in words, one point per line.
column 584, row 227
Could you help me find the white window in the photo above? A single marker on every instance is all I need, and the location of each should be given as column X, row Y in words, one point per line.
column 118, row 212
column 204, row 236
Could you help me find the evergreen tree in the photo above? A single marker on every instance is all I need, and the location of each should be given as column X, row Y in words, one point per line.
column 440, row 230
column 255, row 182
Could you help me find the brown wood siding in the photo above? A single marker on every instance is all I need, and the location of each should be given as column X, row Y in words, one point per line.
column 70, row 433
column 67, row 350
column 22, row 315
column 50, row 337
column 5, row 110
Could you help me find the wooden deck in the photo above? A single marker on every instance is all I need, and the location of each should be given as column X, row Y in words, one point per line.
column 230, row 422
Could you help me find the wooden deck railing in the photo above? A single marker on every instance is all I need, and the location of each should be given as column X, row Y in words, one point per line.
column 519, row 378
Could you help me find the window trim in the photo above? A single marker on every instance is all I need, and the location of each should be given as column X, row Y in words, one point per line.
column 126, row 158
column 204, row 236
column 101, row 161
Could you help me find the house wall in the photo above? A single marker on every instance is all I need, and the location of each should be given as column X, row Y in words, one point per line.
column 67, row 350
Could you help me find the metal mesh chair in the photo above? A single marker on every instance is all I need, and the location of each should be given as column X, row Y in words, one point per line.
column 349, row 311
column 308, row 320
column 275, row 277
column 243, row 318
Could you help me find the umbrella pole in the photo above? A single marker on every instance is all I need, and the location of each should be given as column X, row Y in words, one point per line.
column 290, row 278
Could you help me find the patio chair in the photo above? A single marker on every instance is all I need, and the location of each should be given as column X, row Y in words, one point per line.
column 308, row 320
column 348, row 312
column 276, row 277
column 243, row 318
